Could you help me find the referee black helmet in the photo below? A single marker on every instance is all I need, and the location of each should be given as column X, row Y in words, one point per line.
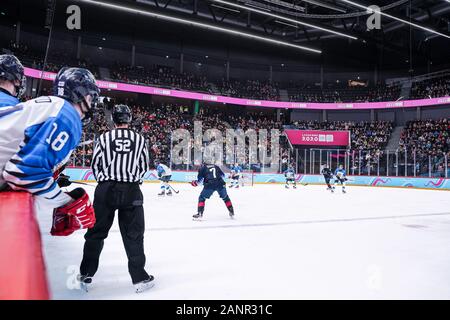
column 121, row 114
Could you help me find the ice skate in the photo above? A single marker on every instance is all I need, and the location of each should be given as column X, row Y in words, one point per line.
column 162, row 193
column 169, row 193
column 197, row 217
column 85, row 282
column 231, row 213
column 144, row 285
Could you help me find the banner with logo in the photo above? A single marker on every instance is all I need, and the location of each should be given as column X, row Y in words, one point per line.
column 318, row 138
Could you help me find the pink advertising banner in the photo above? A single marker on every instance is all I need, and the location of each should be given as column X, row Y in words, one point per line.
column 318, row 137
column 118, row 86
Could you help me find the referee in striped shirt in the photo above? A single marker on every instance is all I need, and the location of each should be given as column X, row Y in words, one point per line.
column 119, row 163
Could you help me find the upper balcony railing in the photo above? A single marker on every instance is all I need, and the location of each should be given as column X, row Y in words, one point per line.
column 126, row 87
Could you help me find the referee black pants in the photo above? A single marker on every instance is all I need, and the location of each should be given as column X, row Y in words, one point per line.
column 128, row 200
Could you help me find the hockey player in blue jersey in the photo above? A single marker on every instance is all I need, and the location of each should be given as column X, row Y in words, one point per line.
column 289, row 174
column 340, row 177
column 37, row 138
column 236, row 173
column 12, row 81
column 212, row 178
column 327, row 175
column 164, row 174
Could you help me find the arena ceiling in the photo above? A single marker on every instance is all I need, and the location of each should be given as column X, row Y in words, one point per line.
column 409, row 30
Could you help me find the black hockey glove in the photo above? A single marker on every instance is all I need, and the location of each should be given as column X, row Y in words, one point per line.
column 63, row 180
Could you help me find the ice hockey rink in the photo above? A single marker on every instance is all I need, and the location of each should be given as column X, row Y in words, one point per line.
column 371, row 243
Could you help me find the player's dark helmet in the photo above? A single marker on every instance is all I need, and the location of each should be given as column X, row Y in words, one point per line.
column 12, row 70
column 74, row 84
column 121, row 114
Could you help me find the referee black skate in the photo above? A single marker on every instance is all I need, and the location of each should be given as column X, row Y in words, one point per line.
column 119, row 162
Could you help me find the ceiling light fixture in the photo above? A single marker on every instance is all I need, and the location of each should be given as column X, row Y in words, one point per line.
column 258, row 7
column 286, row 24
column 224, row 8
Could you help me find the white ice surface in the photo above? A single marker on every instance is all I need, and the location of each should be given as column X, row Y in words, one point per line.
column 371, row 243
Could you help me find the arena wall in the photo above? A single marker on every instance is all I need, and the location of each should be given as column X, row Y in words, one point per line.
column 85, row 174
column 22, row 269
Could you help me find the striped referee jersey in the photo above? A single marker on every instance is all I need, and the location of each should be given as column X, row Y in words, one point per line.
column 120, row 155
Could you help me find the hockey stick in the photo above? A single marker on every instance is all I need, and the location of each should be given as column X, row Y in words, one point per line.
column 83, row 183
column 176, row 191
column 302, row 183
column 66, row 179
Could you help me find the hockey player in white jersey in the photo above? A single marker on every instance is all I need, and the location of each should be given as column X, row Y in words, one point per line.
column 12, row 81
column 37, row 138
column 289, row 174
column 164, row 175
column 341, row 177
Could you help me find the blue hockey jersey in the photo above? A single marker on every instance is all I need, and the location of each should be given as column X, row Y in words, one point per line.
column 211, row 176
column 7, row 100
column 236, row 169
column 36, row 138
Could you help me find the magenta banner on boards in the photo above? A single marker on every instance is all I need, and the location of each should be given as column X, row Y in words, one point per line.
column 118, row 86
column 318, row 138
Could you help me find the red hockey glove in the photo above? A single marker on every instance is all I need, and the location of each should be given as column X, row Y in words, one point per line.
column 62, row 223
column 78, row 214
column 194, row 183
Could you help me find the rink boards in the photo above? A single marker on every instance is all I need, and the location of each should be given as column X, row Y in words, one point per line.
column 83, row 174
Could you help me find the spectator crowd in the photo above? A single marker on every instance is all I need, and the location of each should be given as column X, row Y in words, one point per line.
column 433, row 88
column 377, row 93
column 427, row 142
column 157, row 122
column 158, row 75
column 250, row 89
